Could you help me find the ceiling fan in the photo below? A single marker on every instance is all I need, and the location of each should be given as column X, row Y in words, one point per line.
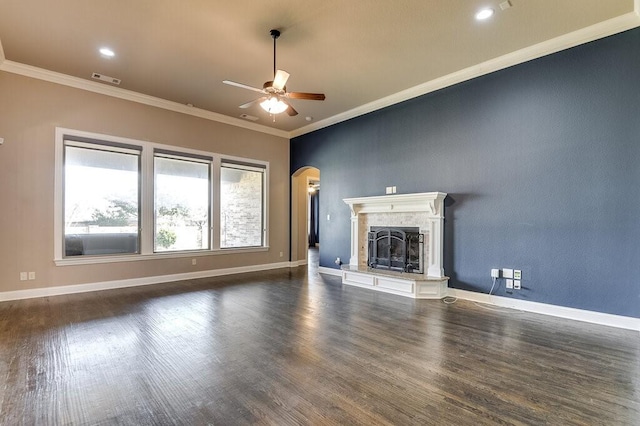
column 275, row 99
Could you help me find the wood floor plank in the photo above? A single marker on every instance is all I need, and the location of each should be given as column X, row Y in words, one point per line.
column 290, row 347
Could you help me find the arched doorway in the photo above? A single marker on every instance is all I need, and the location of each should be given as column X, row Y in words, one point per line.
column 301, row 180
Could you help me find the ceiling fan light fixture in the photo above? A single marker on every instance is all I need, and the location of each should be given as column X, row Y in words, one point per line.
column 273, row 105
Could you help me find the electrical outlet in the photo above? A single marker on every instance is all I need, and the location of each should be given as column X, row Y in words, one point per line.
column 389, row 190
column 509, row 283
column 516, row 284
column 507, row 273
column 495, row 273
column 517, row 274
column 32, row 275
column 194, row 261
column 281, row 254
column 23, row 276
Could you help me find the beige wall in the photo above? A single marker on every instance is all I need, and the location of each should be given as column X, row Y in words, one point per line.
column 30, row 110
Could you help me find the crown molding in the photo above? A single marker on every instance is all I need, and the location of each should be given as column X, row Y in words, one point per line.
column 603, row 29
column 117, row 92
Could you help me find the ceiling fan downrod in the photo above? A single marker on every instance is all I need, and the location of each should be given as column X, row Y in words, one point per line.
column 274, row 34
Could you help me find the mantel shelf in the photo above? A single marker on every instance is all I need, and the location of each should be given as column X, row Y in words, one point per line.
column 420, row 202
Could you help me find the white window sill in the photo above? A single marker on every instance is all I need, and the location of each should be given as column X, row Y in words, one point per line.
column 88, row 260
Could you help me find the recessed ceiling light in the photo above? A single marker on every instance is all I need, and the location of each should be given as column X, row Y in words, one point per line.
column 105, row 51
column 484, row 14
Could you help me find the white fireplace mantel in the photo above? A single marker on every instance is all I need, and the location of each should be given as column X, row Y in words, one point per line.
column 431, row 203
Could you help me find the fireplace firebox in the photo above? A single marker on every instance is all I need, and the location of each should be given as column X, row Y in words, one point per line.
column 396, row 249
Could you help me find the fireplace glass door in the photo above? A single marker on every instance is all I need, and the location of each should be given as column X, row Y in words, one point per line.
column 396, row 249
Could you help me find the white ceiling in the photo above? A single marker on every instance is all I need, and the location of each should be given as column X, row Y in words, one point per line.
column 362, row 54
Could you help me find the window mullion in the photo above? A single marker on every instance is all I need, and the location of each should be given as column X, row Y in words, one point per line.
column 215, row 204
column 147, row 186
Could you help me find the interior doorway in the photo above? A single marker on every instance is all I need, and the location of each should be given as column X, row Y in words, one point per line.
column 305, row 207
column 313, row 213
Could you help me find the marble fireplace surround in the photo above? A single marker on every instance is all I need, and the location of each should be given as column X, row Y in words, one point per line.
column 423, row 210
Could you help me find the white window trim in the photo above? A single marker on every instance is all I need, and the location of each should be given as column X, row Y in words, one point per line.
column 208, row 162
column 147, row 201
column 265, row 197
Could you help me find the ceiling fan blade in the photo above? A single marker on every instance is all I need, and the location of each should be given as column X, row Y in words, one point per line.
column 253, row 102
column 306, row 96
column 291, row 111
column 280, row 79
column 242, row 86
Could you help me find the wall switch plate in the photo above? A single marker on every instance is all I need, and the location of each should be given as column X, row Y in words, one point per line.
column 194, row 261
column 32, row 275
column 517, row 274
column 393, row 189
column 23, row 276
column 328, row 217
column 516, row 284
column 509, row 283
column 495, row 273
column 507, row 273
column 389, row 190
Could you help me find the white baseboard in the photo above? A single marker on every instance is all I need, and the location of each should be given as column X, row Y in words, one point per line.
column 330, row 271
column 610, row 320
column 133, row 282
column 593, row 317
column 617, row 321
column 296, row 263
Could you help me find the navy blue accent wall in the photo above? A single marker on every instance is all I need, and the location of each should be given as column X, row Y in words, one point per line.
column 541, row 162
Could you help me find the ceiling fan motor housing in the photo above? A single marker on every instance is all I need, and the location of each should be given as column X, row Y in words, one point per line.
column 268, row 86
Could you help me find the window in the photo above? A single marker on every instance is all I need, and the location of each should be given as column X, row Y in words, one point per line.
column 182, row 203
column 101, row 199
column 241, row 205
column 119, row 199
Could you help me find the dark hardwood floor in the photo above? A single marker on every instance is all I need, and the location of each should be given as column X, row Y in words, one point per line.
column 292, row 347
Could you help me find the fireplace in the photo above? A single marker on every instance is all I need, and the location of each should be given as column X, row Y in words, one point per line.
column 396, row 249
column 396, row 244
